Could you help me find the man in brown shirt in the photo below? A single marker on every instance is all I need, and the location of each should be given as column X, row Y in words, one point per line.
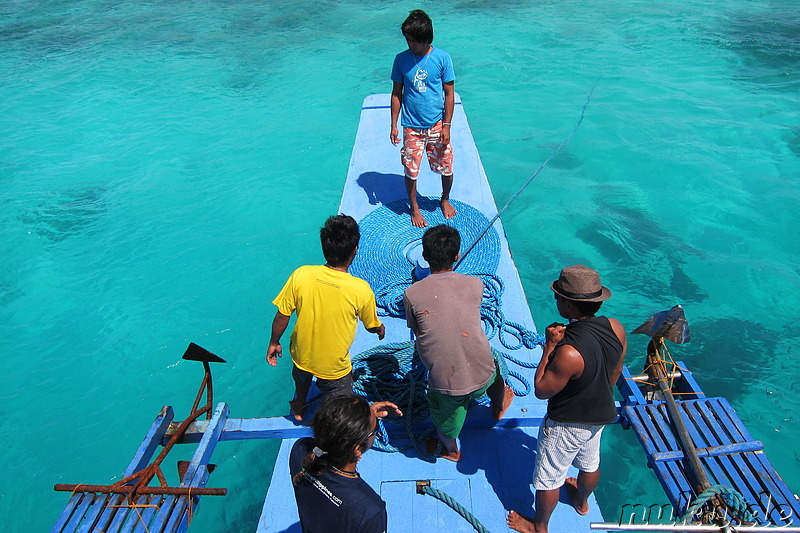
column 443, row 310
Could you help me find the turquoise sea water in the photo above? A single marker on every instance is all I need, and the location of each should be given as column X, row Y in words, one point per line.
column 165, row 165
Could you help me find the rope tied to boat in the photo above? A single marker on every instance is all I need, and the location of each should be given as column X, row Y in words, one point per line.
column 453, row 504
column 394, row 372
column 733, row 499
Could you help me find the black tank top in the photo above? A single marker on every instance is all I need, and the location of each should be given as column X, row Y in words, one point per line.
column 589, row 398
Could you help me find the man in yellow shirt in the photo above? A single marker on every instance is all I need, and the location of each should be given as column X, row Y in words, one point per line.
column 329, row 302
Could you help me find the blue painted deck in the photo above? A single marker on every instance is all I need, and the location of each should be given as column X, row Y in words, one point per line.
column 495, row 472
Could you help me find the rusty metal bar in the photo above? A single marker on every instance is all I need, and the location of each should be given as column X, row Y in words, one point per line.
column 209, row 388
column 127, row 489
column 203, row 383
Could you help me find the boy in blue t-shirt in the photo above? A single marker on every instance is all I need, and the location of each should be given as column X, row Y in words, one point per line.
column 424, row 90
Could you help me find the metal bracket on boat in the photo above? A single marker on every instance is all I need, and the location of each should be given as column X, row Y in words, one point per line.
column 674, row 375
column 138, row 482
column 421, row 484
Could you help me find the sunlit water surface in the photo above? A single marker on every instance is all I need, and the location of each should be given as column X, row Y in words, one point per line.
column 165, row 165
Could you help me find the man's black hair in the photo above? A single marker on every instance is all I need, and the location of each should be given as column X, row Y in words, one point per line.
column 339, row 237
column 418, row 27
column 340, row 424
column 440, row 245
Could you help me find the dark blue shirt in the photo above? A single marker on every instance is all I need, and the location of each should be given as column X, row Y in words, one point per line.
column 332, row 503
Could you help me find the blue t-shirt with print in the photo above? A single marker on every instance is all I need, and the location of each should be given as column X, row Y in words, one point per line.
column 332, row 503
column 423, row 78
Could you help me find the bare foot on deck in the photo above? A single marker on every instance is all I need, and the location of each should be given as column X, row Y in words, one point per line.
column 571, row 484
column 499, row 410
column 451, row 456
column 447, row 209
column 432, row 443
column 417, row 220
column 517, row 522
column 298, row 409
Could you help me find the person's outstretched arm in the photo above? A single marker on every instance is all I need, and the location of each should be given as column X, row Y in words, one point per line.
column 279, row 324
column 381, row 409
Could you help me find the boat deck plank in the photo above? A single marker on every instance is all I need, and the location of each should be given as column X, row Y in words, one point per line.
column 669, row 473
column 105, row 519
column 98, row 504
column 120, row 517
column 141, row 519
column 717, row 436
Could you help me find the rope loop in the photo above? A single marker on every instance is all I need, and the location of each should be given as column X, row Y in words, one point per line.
column 732, row 498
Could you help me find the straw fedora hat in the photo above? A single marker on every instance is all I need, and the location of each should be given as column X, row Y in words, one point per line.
column 580, row 284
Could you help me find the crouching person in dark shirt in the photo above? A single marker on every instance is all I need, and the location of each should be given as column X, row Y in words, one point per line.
column 330, row 494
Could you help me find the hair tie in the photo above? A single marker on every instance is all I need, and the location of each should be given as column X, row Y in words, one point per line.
column 318, row 452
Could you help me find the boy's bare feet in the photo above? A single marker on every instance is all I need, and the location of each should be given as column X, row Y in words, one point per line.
column 499, row 410
column 417, row 220
column 298, row 409
column 451, row 456
column 432, row 443
column 447, row 209
column 571, row 484
column 517, row 522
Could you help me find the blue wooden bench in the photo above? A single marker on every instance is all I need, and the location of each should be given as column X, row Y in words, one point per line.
column 729, row 454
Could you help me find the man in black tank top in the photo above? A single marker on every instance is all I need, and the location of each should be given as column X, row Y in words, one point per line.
column 580, row 364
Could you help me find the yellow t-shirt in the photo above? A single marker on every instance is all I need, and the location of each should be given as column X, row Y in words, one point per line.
column 329, row 304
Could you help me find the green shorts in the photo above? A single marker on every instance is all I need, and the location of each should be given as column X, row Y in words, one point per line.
column 449, row 412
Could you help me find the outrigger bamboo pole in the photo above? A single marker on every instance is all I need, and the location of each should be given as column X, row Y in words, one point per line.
column 656, row 366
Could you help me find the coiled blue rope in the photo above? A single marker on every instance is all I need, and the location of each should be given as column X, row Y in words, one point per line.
column 388, row 253
column 389, row 250
column 390, row 247
column 393, row 372
column 733, row 499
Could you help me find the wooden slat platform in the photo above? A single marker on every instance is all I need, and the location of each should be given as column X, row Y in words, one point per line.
column 113, row 513
column 728, row 452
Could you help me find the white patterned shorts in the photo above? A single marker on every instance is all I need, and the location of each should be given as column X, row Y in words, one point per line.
column 419, row 141
column 562, row 444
